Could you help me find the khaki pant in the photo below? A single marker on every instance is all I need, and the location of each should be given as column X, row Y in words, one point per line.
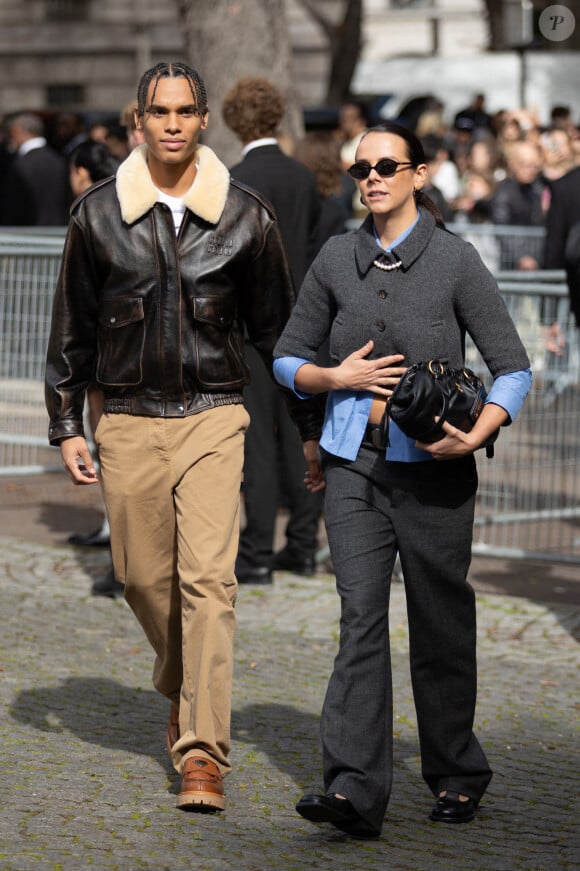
column 172, row 492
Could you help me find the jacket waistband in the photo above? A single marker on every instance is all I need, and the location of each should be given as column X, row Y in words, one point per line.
column 149, row 406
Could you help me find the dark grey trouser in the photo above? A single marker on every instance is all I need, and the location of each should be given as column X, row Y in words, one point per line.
column 373, row 509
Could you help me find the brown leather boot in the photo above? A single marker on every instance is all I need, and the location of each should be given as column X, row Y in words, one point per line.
column 201, row 786
column 172, row 734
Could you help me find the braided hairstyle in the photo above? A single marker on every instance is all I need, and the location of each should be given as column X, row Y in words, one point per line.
column 172, row 71
column 416, row 156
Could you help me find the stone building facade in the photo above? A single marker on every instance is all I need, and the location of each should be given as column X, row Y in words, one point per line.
column 86, row 55
column 80, row 54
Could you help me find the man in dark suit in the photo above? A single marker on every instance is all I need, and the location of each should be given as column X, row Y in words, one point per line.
column 562, row 249
column 274, row 461
column 519, row 201
column 35, row 190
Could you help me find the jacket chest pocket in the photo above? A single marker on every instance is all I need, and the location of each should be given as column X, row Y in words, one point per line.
column 121, row 339
column 349, row 332
column 218, row 342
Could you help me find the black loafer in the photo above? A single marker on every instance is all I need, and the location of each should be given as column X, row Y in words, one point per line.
column 108, row 586
column 97, row 538
column 285, row 562
column 337, row 811
column 254, row 575
column 450, row 809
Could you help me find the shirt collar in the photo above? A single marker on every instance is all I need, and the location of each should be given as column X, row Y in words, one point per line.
column 407, row 248
column 400, row 238
column 32, row 144
column 258, row 143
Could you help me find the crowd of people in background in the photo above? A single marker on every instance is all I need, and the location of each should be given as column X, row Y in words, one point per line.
column 483, row 168
column 499, row 167
column 39, row 162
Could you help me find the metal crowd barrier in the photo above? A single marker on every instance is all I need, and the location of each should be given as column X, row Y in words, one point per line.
column 29, row 264
column 528, row 503
column 503, row 247
column 529, row 496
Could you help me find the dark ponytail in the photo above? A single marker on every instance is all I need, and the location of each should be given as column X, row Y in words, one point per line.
column 96, row 158
column 425, row 201
column 416, row 156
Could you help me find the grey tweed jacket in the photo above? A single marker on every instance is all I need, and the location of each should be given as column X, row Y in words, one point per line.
column 423, row 310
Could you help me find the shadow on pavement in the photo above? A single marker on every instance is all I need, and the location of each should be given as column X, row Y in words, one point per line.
column 68, row 518
column 99, row 711
column 286, row 735
column 544, row 583
column 551, row 584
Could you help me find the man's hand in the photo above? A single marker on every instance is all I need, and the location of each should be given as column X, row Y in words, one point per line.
column 313, row 478
column 554, row 339
column 77, row 460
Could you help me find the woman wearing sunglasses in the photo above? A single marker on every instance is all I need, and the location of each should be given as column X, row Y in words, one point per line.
column 399, row 290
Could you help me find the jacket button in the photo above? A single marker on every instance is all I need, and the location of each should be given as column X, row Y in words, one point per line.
column 380, row 326
column 383, row 294
column 113, row 320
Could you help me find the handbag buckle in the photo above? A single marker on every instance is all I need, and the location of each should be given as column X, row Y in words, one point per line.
column 436, row 364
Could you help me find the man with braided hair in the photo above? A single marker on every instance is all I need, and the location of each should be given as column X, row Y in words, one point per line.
column 164, row 268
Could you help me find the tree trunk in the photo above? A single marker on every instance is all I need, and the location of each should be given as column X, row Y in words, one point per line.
column 345, row 49
column 344, row 42
column 228, row 39
column 495, row 23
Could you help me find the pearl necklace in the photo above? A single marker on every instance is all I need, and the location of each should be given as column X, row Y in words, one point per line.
column 387, row 267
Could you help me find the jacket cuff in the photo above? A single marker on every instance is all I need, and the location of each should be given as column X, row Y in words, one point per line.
column 64, row 429
column 307, row 414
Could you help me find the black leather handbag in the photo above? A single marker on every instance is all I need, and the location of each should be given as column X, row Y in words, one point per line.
column 431, row 389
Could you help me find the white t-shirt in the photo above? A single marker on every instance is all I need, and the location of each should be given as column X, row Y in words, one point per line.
column 176, row 206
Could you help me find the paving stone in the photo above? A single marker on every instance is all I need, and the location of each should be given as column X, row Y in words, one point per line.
column 86, row 782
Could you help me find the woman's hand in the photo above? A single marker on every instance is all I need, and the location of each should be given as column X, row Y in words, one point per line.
column 456, row 443
column 378, row 376
column 453, row 445
column 313, row 478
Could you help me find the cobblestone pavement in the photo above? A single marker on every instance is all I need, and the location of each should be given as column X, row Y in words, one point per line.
column 86, row 781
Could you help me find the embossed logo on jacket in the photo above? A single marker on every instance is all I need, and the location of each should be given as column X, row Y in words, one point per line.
column 219, row 245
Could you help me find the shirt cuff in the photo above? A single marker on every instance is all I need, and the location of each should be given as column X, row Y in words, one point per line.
column 509, row 391
column 285, row 369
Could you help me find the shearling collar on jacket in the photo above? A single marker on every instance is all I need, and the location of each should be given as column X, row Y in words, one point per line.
column 206, row 197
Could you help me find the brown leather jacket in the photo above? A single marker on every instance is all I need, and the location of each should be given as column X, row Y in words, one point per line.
column 157, row 321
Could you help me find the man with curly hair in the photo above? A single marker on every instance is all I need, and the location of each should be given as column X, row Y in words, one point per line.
column 273, row 459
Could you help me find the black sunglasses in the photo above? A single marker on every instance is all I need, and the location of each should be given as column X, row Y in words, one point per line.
column 385, row 167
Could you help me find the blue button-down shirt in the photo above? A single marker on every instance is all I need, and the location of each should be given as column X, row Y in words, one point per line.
column 347, row 413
